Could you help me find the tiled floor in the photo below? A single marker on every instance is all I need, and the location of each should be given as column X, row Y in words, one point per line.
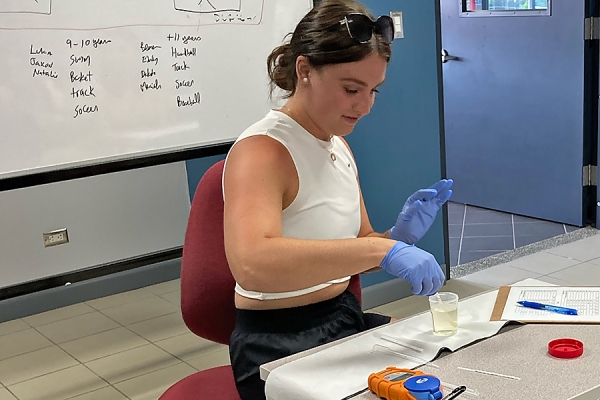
column 134, row 345
column 476, row 232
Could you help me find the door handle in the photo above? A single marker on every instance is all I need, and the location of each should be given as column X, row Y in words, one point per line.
column 447, row 57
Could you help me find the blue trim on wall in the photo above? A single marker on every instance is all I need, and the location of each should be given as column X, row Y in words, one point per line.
column 196, row 168
column 397, row 146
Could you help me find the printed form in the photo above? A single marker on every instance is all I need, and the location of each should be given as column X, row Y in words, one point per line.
column 585, row 299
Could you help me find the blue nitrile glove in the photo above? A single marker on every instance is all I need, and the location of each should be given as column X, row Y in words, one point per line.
column 416, row 266
column 420, row 211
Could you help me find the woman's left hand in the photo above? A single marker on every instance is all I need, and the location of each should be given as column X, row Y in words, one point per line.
column 420, row 211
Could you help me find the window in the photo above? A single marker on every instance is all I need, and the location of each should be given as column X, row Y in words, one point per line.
column 505, row 7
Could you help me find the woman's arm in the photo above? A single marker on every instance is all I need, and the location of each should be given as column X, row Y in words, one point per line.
column 258, row 183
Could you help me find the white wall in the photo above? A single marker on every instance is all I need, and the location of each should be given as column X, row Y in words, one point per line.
column 109, row 218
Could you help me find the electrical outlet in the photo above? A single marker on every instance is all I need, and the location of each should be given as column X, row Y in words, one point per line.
column 55, row 238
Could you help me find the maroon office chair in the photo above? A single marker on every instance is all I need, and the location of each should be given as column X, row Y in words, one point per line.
column 207, row 289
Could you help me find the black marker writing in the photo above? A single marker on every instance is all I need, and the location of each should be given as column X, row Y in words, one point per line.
column 76, row 93
column 80, row 59
column 85, row 109
column 183, row 83
column 186, row 39
column 41, row 72
column 39, row 51
column 150, row 59
column 148, row 73
column 98, row 42
column 37, row 63
column 41, row 67
column 81, row 77
column 183, row 67
column 185, row 53
column 189, row 102
column 154, row 85
column 87, row 42
column 148, row 47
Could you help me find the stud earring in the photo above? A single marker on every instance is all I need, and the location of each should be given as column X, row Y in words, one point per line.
column 305, row 80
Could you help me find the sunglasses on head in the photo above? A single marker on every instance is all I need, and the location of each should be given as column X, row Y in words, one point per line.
column 361, row 28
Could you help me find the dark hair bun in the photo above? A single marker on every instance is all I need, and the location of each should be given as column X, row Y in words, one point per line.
column 281, row 66
column 323, row 40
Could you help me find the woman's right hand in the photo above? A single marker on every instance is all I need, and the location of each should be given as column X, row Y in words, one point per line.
column 416, row 266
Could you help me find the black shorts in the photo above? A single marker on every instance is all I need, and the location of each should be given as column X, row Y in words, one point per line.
column 262, row 336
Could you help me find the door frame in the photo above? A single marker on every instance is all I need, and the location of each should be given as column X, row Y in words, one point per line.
column 591, row 115
column 440, row 73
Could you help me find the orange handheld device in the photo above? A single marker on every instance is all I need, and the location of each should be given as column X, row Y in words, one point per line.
column 404, row 384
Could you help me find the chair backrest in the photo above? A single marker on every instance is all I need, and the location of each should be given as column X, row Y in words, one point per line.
column 207, row 286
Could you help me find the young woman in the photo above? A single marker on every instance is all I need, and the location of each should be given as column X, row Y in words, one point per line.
column 296, row 227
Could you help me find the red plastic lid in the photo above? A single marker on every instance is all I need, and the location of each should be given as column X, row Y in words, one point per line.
column 565, row 348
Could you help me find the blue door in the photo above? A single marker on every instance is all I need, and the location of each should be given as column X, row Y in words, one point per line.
column 513, row 105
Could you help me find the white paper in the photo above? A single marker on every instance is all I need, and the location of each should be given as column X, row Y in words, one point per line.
column 338, row 371
column 586, row 300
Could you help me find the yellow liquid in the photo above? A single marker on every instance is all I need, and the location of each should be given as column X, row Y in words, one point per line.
column 445, row 320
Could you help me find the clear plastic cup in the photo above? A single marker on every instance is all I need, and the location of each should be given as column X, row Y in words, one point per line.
column 444, row 313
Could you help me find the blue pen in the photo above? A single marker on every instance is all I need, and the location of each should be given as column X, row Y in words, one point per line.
column 547, row 307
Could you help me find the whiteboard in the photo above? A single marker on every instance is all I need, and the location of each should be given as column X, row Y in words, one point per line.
column 93, row 81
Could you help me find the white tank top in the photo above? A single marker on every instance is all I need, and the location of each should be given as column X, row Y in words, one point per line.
column 327, row 205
